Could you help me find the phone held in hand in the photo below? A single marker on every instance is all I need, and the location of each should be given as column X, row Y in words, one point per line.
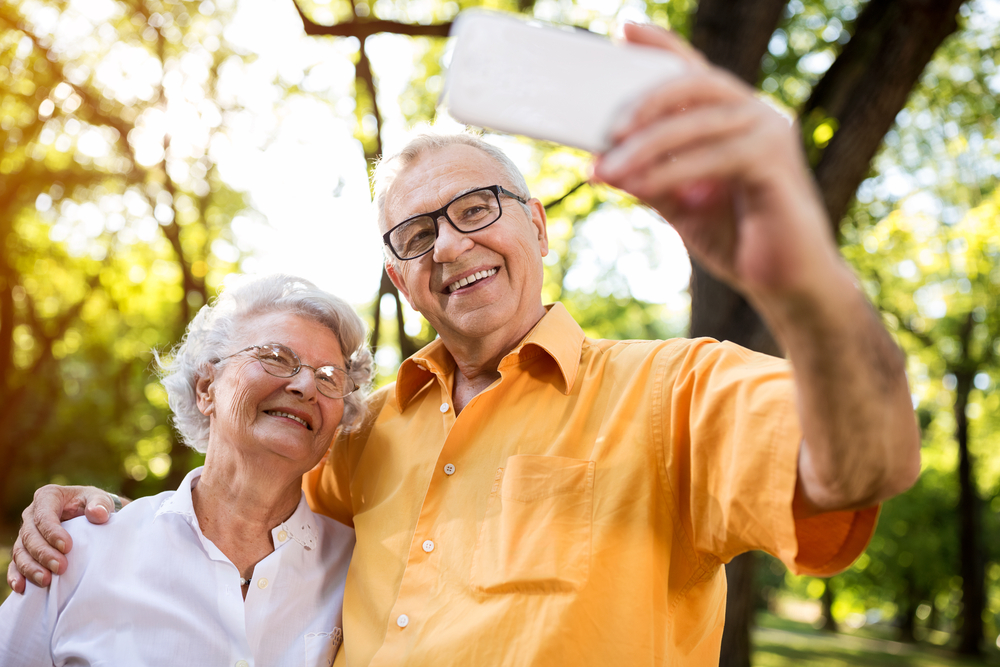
column 548, row 82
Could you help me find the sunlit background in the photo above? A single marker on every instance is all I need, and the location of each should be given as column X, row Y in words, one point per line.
column 150, row 148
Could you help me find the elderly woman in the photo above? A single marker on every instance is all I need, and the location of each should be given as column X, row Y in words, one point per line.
column 232, row 568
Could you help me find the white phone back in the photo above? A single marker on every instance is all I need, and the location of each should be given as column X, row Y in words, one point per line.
column 548, row 82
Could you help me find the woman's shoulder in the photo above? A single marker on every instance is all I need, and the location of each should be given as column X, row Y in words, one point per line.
column 120, row 525
column 335, row 539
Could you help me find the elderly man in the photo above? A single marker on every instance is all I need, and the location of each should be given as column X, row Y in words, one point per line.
column 525, row 495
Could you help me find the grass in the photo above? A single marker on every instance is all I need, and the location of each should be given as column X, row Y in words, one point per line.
column 779, row 642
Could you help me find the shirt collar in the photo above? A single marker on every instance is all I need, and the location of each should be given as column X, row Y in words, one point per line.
column 557, row 334
column 180, row 502
column 300, row 526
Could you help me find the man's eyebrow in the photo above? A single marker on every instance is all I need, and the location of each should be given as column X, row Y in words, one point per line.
column 465, row 192
column 455, row 196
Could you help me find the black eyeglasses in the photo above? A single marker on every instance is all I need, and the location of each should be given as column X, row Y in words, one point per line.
column 467, row 213
column 281, row 361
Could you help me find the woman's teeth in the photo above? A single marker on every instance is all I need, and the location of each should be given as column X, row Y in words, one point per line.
column 470, row 279
column 278, row 413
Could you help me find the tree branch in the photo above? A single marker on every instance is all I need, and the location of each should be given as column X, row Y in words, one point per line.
column 556, row 202
column 735, row 35
column 361, row 28
column 869, row 84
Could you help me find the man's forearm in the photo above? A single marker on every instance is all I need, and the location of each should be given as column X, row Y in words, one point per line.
column 861, row 441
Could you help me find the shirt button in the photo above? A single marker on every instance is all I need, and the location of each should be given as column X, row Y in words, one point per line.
column 402, row 620
column 449, row 469
column 262, row 583
column 282, row 536
column 242, row 663
column 428, row 546
column 444, row 407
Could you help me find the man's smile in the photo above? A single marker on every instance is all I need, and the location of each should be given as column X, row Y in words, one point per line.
column 470, row 279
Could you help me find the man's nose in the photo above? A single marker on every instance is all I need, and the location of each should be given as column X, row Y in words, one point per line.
column 450, row 243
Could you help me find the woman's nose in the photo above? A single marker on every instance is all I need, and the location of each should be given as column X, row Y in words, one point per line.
column 303, row 383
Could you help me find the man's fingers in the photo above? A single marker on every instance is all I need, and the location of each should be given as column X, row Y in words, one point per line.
column 671, row 136
column 687, row 93
column 647, row 34
column 100, row 507
column 14, row 578
column 715, row 161
column 52, row 505
column 28, row 566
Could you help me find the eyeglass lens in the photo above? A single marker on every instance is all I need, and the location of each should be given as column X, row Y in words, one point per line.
column 468, row 213
column 282, row 361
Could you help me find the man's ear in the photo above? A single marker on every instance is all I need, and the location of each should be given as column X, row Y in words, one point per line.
column 540, row 222
column 204, row 390
column 397, row 280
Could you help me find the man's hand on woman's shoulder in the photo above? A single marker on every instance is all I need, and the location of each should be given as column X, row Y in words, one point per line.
column 42, row 543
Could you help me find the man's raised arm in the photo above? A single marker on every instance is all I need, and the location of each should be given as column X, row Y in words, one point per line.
column 728, row 172
column 42, row 542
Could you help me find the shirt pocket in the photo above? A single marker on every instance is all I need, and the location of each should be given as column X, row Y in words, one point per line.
column 321, row 647
column 537, row 531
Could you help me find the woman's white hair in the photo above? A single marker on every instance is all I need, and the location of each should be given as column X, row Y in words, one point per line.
column 212, row 333
column 389, row 168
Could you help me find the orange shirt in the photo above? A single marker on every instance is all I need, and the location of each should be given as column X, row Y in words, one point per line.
column 576, row 512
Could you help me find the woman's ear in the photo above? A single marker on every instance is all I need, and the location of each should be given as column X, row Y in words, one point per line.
column 204, row 390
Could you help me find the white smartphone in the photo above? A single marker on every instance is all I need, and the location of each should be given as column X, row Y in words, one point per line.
column 548, row 82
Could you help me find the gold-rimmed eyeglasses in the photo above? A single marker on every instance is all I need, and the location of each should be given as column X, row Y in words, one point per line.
column 281, row 361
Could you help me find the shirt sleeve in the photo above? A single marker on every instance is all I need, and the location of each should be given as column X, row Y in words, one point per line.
column 26, row 626
column 732, row 450
column 327, row 486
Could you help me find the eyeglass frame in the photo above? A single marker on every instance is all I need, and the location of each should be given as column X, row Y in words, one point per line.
column 497, row 190
column 297, row 369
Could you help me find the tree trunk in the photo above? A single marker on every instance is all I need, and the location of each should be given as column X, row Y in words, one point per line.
column 829, row 622
column 908, row 613
column 734, row 35
column 968, row 509
column 736, row 645
column 868, row 85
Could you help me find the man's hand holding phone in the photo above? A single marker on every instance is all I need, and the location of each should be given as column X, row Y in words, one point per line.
column 728, row 172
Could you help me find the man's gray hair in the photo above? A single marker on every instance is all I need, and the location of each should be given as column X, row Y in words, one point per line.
column 218, row 326
column 389, row 168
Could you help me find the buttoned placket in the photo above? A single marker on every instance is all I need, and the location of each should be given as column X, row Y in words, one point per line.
column 231, row 605
column 247, row 618
column 404, row 619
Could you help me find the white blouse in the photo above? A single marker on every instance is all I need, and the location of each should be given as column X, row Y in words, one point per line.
column 148, row 588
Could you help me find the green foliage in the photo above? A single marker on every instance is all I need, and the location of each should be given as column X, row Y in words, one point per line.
column 108, row 234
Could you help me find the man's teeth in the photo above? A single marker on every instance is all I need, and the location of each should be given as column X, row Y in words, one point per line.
column 278, row 413
column 470, row 279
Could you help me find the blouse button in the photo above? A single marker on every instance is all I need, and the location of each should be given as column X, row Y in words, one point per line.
column 402, row 620
column 449, row 469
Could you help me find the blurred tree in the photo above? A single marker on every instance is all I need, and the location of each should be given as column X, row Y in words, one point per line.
column 939, row 289
column 112, row 232
column 937, row 276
